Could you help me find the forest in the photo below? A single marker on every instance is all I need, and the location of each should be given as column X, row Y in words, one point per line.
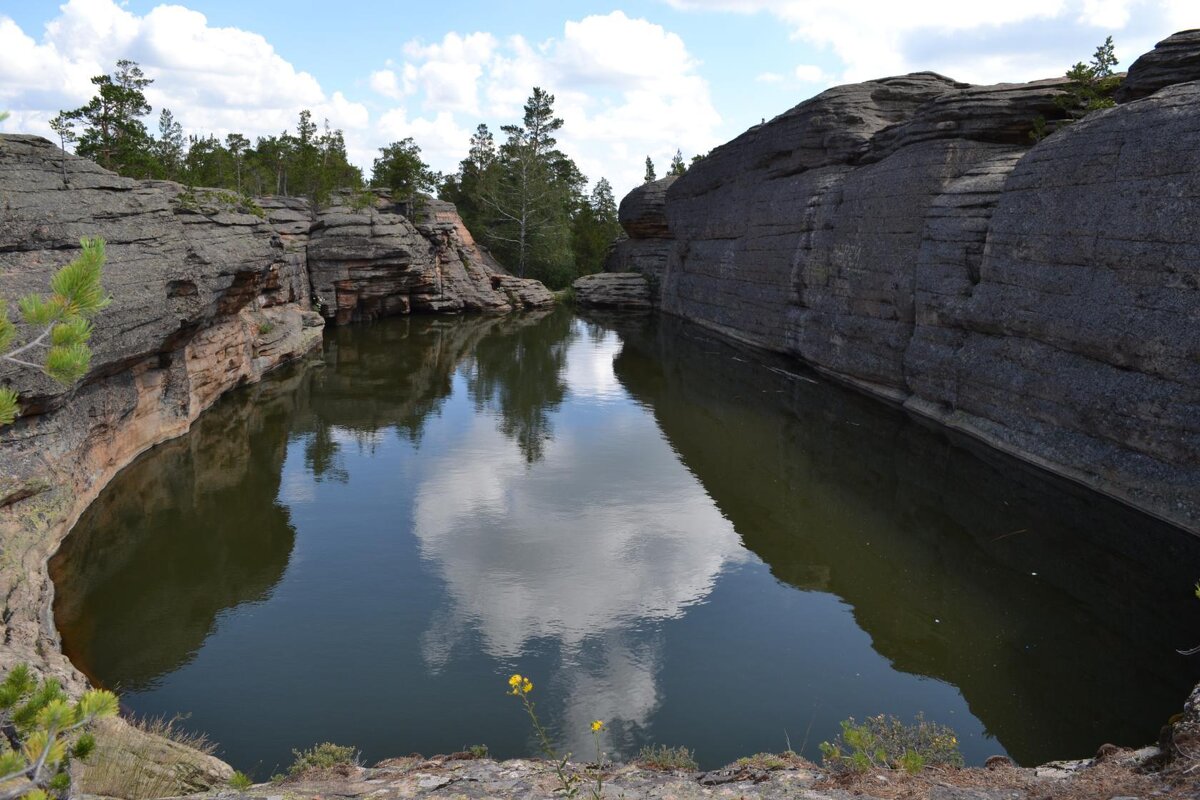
column 521, row 196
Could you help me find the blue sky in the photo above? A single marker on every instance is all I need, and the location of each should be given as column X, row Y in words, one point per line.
column 631, row 78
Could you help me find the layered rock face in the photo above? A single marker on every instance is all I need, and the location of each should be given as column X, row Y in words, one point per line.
column 613, row 290
column 906, row 235
column 368, row 260
column 205, row 296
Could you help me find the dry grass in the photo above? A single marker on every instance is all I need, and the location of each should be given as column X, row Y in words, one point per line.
column 148, row 758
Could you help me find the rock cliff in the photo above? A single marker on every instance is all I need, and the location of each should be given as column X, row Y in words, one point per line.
column 908, row 236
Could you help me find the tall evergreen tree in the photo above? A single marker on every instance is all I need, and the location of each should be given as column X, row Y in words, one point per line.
column 530, row 202
column 113, row 132
column 237, row 144
column 171, row 146
column 650, row 176
column 677, row 165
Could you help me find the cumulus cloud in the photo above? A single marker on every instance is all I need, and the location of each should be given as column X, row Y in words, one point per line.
column 978, row 42
column 616, row 109
column 215, row 80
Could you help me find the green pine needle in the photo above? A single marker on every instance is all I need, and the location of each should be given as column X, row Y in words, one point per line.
column 71, row 331
column 68, row 363
column 7, row 329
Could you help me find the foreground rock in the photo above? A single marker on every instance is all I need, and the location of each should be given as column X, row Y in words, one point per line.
column 762, row 777
column 613, row 290
column 908, row 236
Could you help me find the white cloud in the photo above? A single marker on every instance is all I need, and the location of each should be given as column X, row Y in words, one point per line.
column 977, row 42
column 215, row 80
column 809, row 73
column 616, row 108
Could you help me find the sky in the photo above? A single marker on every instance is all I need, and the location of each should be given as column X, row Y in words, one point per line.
column 630, row 78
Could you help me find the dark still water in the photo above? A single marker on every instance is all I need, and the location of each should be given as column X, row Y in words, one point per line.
column 665, row 532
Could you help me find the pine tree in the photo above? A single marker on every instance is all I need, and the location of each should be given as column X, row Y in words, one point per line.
column 64, row 126
column 62, row 320
column 170, row 147
column 650, row 176
column 237, row 144
column 44, row 732
column 113, row 133
column 677, row 165
column 528, row 202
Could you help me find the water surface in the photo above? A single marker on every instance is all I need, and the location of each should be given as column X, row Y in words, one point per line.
column 691, row 541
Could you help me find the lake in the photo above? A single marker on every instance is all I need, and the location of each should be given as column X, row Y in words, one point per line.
column 700, row 544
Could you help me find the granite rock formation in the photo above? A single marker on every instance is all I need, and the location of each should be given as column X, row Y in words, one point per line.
column 613, row 290
column 643, row 215
column 368, row 260
column 910, row 237
column 205, row 297
column 1175, row 59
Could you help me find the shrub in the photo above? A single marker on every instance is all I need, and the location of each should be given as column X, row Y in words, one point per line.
column 323, row 756
column 240, row 781
column 47, row 731
column 660, row 756
column 884, row 742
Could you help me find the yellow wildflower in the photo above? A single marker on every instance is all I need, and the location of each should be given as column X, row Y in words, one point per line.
column 597, row 726
column 515, row 681
column 527, row 687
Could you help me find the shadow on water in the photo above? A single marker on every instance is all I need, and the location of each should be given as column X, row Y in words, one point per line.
column 435, row 502
column 140, row 603
column 1056, row 612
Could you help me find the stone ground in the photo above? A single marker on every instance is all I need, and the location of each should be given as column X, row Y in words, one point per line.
column 1113, row 775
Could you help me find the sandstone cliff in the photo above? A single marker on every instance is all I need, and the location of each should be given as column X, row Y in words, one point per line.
column 908, row 236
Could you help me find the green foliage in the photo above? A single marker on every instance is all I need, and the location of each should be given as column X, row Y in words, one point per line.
column 323, row 756
column 240, row 781
column 113, row 133
column 477, row 750
column 884, row 742
column 677, row 165
column 650, row 175
column 660, row 756
column 401, row 170
column 48, row 732
column 265, row 327
column 526, row 200
column 1092, row 84
column 64, row 319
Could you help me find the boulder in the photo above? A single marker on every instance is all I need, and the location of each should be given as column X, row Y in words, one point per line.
column 641, row 212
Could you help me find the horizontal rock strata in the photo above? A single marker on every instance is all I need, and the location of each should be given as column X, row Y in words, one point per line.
column 613, row 290
column 910, row 237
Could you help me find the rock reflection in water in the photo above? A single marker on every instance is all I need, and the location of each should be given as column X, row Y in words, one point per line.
column 192, row 530
column 1055, row 612
column 626, row 509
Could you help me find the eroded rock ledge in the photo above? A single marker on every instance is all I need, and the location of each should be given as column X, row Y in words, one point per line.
column 908, row 236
